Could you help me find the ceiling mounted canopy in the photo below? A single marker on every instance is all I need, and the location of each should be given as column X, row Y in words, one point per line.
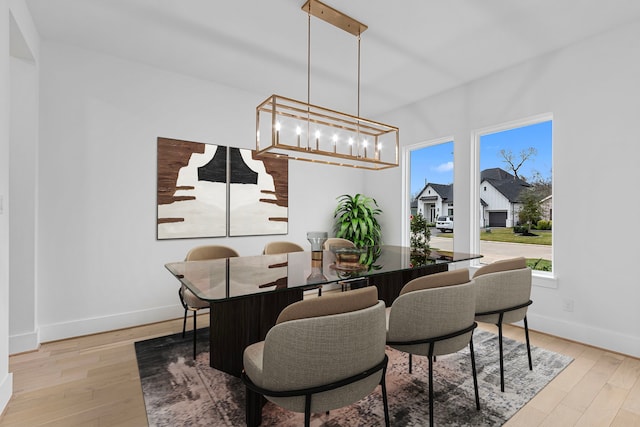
column 300, row 130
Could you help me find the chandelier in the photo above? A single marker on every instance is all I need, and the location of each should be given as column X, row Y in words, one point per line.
column 297, row 130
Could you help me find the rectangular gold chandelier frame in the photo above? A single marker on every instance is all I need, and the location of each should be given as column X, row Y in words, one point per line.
column 301, row 131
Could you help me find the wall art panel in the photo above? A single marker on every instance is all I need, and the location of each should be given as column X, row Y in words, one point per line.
column 192, row 189
column 259, row 191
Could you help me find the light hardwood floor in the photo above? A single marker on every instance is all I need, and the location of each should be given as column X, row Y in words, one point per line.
column 93, row 381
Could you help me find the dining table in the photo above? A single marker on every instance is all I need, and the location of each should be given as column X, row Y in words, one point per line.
column 247, row 293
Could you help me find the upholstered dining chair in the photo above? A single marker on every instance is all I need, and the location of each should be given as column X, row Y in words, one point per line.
column 189, row 301
column 284, row 247
column 432, row 316
column 322, row 354
column 337, row 241
column 281, row 247
column 503, row 294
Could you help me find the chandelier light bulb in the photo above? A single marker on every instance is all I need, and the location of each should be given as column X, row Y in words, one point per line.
column 277, row 132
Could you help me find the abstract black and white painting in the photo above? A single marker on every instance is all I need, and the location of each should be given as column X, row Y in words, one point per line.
column 197, row 197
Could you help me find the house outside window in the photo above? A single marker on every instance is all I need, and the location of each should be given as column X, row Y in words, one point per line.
column 431, row 166
column 515, row 203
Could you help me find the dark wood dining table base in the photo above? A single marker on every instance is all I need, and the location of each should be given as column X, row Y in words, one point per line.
column 238, row 323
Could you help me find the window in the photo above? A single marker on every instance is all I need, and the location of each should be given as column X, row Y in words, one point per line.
column 431, row 183
column 516, row 201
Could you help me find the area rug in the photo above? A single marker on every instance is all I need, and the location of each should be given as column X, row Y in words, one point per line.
column 179, row 391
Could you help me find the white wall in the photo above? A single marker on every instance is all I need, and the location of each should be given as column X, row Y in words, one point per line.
column 23, row 179
column 100, row 266
column 23, row 159
column 6, row 383
column 593, row 91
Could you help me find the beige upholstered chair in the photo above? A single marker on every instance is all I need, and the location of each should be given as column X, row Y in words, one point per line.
column 284, row 247
column 432, row 316
column 337, row 241
column 322, row 354
column 281, row 248
column 503, row 292
column 189, row 301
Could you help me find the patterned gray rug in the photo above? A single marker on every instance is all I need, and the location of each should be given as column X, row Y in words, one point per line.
column 180, row 392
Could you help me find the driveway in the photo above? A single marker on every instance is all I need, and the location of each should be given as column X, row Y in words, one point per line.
column 493, row 251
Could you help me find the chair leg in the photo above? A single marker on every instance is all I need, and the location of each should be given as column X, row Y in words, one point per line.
column 431, row 390
column 194, row 334
column 184, row 323
column 253, row 408
column 307, row 410
column 385, row 402
column 526, row 333
column 501, row 357
column 410, row 362
column 475, row 376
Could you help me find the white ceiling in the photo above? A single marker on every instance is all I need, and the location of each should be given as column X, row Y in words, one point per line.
column 412, row 49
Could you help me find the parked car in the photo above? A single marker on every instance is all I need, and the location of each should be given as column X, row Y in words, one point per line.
column 445, row 223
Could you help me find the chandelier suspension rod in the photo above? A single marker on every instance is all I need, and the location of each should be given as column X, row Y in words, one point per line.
column 308, row 75
column 358, row 114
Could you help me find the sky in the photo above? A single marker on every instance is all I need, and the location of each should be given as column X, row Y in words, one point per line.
column 434, row 164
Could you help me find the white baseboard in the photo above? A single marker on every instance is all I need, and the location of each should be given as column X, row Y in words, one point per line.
column 597, row 337
column 93, row 325
column 6, row 390
column 24, row 342
column 602, row 338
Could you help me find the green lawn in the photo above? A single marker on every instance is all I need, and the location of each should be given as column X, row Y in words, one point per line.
column 539, row 264
column 543, row 237
column 507, row 235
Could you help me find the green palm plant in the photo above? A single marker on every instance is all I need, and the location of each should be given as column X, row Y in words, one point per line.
column 355, row 220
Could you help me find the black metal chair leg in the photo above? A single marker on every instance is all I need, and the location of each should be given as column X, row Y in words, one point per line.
column 501, row 357
column 475, row 376
column 430, row 391
column 526, row 333
column 253, row 409
column 184, row 323
column 307, row 411
column 383, row 384
column 410, row 362
column 194, row 334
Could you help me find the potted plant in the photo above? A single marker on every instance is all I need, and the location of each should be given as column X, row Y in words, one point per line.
column 355, row 220
column 420, row 234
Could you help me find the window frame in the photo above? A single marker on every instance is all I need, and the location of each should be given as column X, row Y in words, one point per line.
column 540, row 278
column 406, row 182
